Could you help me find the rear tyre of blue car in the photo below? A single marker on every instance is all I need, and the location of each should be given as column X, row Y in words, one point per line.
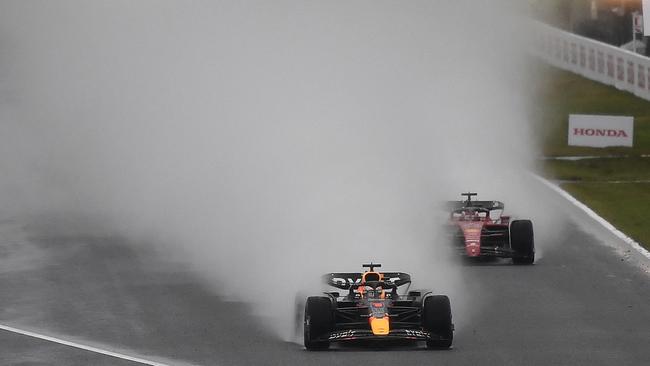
column 319, row 319
column 436, row 318
column 522, row 241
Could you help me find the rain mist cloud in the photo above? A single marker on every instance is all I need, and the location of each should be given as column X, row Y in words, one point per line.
column 277, row 139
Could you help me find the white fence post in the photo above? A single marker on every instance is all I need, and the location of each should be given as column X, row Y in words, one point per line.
column 594, row 60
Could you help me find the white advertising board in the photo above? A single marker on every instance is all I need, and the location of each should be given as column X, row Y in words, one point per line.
column 646, row 17
column 637, row 23
column 600, row 131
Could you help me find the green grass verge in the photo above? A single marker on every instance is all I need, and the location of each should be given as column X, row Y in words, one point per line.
column 602, row 169
column 624, row 205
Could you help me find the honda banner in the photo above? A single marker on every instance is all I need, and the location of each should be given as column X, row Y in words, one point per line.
column 600, row 131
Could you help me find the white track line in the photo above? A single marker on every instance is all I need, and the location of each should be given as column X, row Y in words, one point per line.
column 81, row 346
column 595, row 216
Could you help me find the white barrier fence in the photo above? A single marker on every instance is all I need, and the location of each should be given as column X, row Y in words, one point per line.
column 594, row 60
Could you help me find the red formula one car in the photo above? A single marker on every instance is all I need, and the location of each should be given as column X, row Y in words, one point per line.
column 478, row 229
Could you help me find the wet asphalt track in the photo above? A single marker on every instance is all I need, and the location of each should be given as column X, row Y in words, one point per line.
column 583, row 303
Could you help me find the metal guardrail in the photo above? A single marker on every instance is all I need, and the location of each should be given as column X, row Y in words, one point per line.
column 592, row 59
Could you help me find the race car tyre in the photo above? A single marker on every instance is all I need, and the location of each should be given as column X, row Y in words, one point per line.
column 522, row 242
column 319, row 319
column 436, row 318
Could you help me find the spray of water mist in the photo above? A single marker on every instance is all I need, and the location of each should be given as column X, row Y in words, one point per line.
column 266, row 142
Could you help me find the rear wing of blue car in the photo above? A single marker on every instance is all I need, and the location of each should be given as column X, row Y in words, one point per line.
column 345, row 280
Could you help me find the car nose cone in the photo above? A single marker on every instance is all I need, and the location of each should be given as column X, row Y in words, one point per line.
column 379, row 326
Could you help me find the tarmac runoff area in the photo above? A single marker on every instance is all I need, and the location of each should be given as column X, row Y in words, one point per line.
column 585, row 301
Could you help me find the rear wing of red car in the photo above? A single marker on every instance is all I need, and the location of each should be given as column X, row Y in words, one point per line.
column 489, row 205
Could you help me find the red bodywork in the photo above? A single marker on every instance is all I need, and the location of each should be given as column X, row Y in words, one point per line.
column 475, row 225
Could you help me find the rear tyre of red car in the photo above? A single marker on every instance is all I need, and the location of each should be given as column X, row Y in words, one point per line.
column 436, row 318
column 319, row 320
column 522, row 242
